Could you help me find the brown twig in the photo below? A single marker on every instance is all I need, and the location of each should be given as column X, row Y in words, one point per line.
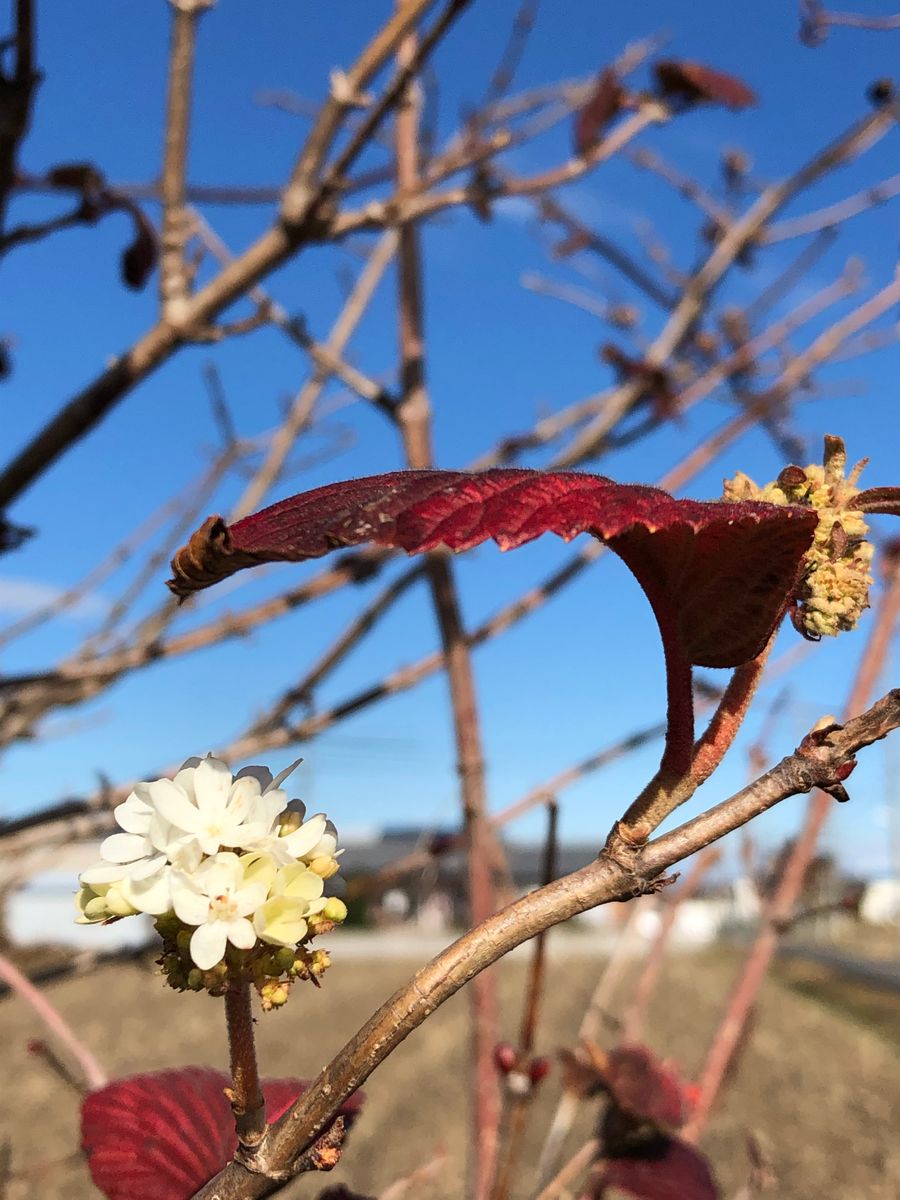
column 294, row 328
column 734, row 239
column 834, row 214
column 282, row 241
column 413, row 415
column 518, row 1102
column 174, row 280
column 819, row 761
column 302, row 408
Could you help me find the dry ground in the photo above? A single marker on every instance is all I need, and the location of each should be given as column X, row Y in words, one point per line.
column 820, row 1090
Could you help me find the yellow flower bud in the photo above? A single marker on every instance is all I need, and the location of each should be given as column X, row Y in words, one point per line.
column 325, row 867
column 335, row 910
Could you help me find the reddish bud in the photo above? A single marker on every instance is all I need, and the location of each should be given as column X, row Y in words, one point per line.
column 539, row 1070
column 505, row 1058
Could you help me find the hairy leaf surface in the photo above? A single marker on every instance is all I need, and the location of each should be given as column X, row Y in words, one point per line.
column 163, row 1135
column 719, row 573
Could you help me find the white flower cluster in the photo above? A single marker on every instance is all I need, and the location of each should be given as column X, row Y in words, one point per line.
column 227, row 855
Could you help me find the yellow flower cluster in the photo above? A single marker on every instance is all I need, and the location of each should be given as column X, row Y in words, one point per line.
column 834, row 591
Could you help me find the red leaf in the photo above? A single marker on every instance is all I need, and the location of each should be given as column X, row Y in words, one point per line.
column 884, row 500
column 722, row 571
column 693, row 82
column 676, row 1171
column 604, row 103
column 140, row 256
column 641, row 1086
column 161, row 1136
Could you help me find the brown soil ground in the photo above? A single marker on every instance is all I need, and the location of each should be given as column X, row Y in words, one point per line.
column 819, row 1089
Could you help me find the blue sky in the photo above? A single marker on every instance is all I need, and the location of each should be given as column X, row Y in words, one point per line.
column 574, row 676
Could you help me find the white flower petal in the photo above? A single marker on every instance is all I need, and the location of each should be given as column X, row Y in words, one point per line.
column 302, row 840
column 243, row 795
column 123, row 847
column 144, row 868
column 151, row 896
column 185, row 854
column 212, row 783
column 102, row 873
column 173, row 806
column 241, row 933
column 133, row 815
column 208, row 944
column 189, row 904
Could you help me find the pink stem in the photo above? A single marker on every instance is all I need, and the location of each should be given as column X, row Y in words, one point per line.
column 94, row 1074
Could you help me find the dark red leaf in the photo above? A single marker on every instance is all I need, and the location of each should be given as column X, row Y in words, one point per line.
column 884, row 500
column 693, row 83
column 140, row 255
column 161, row 1136
column 79, row 176
column 641, row 1086
column 675, row 1172
column 721, row 571
column 604, row 103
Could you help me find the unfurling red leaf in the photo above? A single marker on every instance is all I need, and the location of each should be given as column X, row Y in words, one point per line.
column 885, row 500
column 694, row 83
column 641, row 1086
column 604, row 103
column 162, row 1136
column 670, row 1170
column 716, row 573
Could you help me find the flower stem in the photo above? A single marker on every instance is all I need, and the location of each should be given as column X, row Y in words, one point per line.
column 247, row 1101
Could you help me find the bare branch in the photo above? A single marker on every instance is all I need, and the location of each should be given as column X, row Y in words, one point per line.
column 173, row 274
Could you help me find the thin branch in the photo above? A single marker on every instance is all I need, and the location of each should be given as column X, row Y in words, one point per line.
column 561, row 1183
column 818, row 762
column 518, row 1103
column 294, row 328
column 834, row 214
column 636, row 1015
column 597, row 1008
column 302, row 408
column 278, row 244
column 16, row 95
column 173, row 272
column 700, row 286
column 94, row 1074
column 413, row 416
